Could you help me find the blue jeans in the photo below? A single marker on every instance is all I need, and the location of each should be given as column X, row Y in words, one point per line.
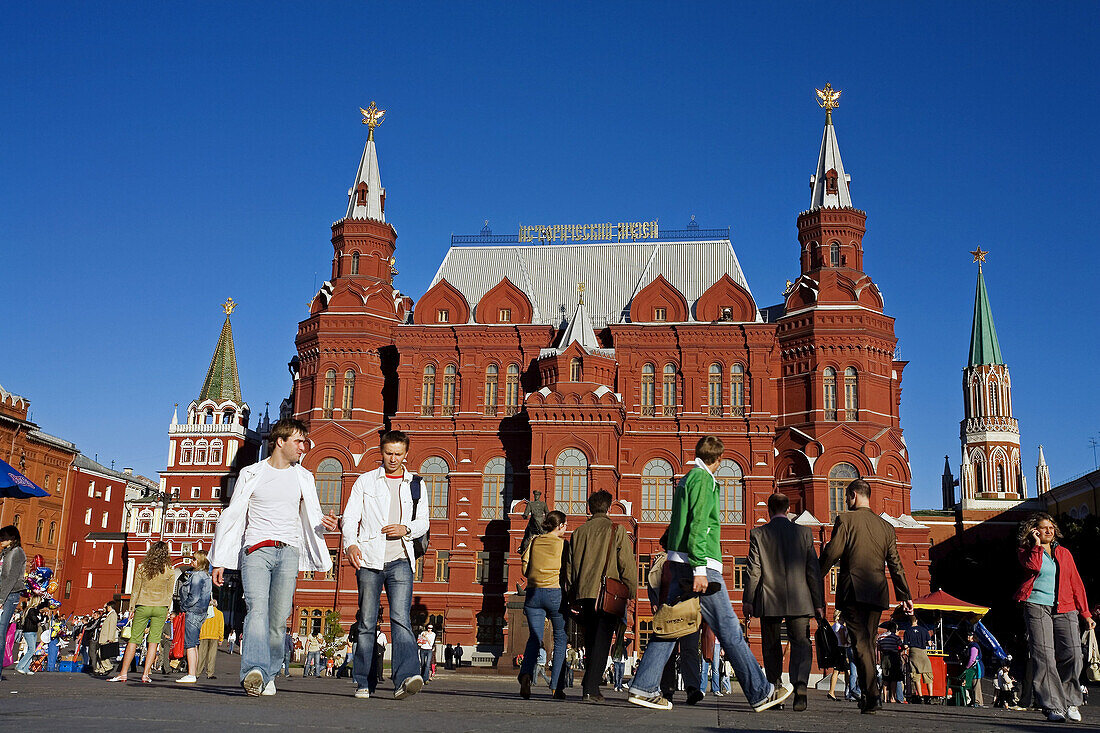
column 286, row 662
column 618, row 669
column 396, row 577
column 312, row 665
column 10, row 604
column 852, row 690
column 24, row 664
column 538, row 605
column 689, row 655
column 720, row 617
column 268, row 577
column 51, row 655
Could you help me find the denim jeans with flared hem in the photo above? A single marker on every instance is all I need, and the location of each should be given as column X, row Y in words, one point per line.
column 268, row 578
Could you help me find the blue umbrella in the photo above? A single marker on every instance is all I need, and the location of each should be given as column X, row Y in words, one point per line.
column 14, row 485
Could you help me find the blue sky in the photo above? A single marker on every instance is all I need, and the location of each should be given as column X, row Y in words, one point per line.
column 156, row 158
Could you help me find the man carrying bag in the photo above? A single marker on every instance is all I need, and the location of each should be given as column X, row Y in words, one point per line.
column 602, row 568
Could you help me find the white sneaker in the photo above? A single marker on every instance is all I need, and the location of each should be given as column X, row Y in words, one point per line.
column 1056, row 716
column 1073, row 713
column 779, row 694
column 362, row 693
column 253, row 682
column 269, row 689
column 410, row 686
column 188, row 679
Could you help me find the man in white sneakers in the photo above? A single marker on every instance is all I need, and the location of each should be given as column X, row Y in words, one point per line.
column 272, row 529
column 385, row 513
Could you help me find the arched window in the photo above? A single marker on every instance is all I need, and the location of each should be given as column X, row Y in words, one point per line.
column 183, row 520
column 511, row 391
column 53, row 533
column 994, row 399
column 354, row 263
column 851, row 394
column 427, row 392
column 834, row 254
column 145, row 521
column 657, row 491
column 349, row 393
column 730, row 506
column 329, row 394
column 714, row 390
column 492, row 380
column 450, row 380
column 216, row 446
column 668, row 391
column 209, row 419
column 211, row 523
column 571, row 482
column 737, row 390
column 574, row 369
column 496, row 488
column 187, row 451
column 829, row 379
column 329, row 475
column 435, row 470
column 840, row 476
column 646, row 396
column 197, row 523
column 200, row 451
column 227, row 417
column 1000, row 477
column 38, row 531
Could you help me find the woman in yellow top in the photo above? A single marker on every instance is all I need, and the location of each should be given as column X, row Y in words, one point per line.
column 154, row 583
column 543, row 562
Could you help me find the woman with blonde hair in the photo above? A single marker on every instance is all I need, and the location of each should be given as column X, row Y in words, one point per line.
column 195, row 602
column 154, row 582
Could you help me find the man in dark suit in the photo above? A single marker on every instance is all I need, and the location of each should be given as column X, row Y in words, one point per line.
column 863, row 543
column 784, row 586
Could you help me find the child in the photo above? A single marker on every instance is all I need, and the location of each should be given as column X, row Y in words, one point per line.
column 1005, row 689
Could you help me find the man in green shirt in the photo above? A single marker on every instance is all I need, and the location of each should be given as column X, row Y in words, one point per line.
column 695, row 560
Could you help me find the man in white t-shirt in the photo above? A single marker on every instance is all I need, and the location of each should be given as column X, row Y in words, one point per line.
column 380, row 522
column 272, row 529
column 426, row 644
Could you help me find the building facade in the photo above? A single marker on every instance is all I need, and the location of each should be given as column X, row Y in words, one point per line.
column 568, row 359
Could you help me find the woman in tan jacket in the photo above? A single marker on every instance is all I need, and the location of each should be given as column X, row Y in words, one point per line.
column 543, row 562
column 154, row 583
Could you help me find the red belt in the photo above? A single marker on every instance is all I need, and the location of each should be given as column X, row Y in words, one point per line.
column 265, row 543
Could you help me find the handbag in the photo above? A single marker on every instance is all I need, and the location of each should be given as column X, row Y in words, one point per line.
column 179, row 643
column 829, row 651
column 614, row 594
column 676, row 620
column 1092, row 662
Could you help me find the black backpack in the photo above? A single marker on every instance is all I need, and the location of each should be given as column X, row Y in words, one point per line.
column 420, row 544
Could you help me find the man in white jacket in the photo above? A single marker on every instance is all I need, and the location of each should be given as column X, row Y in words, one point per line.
column 272, row 529
column 380, row 522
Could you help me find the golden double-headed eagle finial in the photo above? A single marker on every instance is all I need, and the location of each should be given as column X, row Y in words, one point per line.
column 828, row 99
column 228, row 306
column 372, row 118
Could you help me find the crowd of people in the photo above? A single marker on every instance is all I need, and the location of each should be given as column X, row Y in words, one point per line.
column 273, row 529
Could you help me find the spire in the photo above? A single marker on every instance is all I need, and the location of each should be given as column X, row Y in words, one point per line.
column 222, row 381
column 829, row 186
column 947, row 485
column 984, row 348
column 580, row 328
column 1042, row 475
column 366, row 197
column 175, row 414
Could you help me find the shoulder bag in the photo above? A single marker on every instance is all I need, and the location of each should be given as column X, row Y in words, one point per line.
column 613, row 594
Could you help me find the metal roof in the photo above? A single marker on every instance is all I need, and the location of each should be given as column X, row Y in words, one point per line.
column 984, row 347
column 613, row 273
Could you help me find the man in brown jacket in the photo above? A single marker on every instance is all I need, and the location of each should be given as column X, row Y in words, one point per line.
column 863, row 543
column 586, row 569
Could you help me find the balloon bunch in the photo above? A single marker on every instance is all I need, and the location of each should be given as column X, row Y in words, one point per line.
column 39, row 583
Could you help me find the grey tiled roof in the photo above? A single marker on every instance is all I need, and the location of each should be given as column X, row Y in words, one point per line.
column 612, row 273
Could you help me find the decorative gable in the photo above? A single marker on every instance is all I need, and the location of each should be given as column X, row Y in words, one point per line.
column 659, row 301
column 504, row 303
column 442, row 304
column 725, row 295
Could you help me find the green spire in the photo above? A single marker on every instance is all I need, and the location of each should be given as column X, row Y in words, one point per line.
column 222, row 382
column 984, row 348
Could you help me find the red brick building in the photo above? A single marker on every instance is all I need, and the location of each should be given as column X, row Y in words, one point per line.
column 46, row 460
column 95, row 543
column 573, row 358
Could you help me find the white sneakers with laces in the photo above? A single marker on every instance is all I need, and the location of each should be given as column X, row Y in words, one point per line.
column 269, row 689
column 1073, row 713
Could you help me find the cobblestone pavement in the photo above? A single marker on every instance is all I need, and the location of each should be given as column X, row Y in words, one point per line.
column 452, row 702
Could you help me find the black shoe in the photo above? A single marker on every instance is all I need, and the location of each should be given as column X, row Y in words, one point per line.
column 560, row 695
column 597, row 698
column 212, row 677
column 799, row 702
column 525, row 686
column 871, row 706
column 693, row 696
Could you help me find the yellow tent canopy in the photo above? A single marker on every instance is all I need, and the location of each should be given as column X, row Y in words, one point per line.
column 940, row 601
